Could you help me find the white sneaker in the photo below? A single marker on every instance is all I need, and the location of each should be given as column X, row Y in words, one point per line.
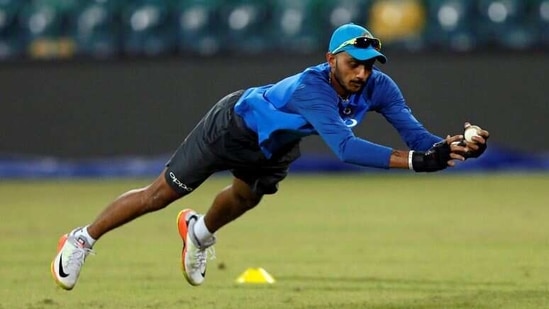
column 67, row 264
column 194, row 256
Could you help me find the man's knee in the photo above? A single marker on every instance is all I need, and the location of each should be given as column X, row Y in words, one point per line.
column 249, row 201
column 244, row 195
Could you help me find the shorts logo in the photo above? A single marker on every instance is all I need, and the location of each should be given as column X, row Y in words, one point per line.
column 179, row 183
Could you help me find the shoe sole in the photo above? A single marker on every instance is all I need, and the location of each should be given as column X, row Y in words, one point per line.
column 60, row 245
column 183, row 232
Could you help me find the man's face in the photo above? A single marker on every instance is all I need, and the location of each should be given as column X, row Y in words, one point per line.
column 350, row 73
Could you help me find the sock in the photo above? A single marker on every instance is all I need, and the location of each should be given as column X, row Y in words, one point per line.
column 84, row 232
column 201, row 232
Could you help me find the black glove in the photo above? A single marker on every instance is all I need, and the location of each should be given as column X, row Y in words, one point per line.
column 434, row 159
column 477, row 153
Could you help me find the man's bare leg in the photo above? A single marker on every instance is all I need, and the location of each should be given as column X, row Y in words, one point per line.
column 132, row 205
column 197, row 231
column 229, row 204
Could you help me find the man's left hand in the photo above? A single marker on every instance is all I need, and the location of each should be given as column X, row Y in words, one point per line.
column 477, row 147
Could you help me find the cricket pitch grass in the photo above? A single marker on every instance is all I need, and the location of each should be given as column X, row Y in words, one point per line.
column 331, row 241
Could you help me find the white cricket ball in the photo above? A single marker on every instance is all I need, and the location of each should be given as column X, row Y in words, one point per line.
column 470, row 132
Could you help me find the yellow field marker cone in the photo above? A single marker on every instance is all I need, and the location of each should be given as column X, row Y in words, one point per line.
column 255, row 275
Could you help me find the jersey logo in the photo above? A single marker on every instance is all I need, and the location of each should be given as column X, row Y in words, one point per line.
column 350, row 122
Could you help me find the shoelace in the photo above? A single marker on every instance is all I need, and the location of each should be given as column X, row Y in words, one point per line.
column 202, row 257
column 78, row 257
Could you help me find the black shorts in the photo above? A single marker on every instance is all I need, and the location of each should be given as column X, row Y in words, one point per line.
column 221, row 141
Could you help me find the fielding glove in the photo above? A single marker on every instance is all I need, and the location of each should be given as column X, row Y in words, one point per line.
column 434, row 159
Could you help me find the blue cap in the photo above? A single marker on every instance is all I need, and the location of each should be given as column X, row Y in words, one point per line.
column 351, row 31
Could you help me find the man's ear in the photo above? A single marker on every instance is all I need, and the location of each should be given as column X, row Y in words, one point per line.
column 331, row 59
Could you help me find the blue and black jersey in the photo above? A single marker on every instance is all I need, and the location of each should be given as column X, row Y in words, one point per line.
column 305, row 104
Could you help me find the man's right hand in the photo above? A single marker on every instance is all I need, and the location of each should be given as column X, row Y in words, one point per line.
column 440, row 156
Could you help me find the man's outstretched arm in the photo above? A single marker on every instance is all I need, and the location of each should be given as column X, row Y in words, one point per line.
column 438, row 157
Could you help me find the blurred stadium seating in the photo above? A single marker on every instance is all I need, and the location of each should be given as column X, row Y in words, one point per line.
column 294, row 26
column 95, row 28
column 539, row 14
column 243, row 26
column 147, row 27
column 197, row 26
column 400, row 23
column 451, row 25
column 503, row 23
column 11, row 40
column 43, row 28
column 48, row 29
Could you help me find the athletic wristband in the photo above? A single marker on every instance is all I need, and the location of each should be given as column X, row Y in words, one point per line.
column 410, row 156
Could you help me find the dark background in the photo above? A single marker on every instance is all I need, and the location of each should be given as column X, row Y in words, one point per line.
column 84, row 109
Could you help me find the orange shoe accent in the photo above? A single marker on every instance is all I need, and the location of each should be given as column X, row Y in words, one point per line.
column 182, row 224
column 61, row 242
column 183, row 230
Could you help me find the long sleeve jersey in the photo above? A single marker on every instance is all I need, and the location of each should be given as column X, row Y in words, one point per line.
column 305, row 104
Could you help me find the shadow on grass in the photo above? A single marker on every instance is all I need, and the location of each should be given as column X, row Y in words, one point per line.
column 430, row 294
column 464, row 300
column 396, row 282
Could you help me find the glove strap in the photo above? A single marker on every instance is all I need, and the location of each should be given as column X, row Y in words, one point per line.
column 410, row 156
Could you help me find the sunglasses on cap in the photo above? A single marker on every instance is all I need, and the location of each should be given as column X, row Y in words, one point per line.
column 360, row 42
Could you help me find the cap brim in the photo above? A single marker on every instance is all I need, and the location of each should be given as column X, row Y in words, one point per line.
column 366, row 54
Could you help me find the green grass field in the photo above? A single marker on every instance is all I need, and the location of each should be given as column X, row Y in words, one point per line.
column 336, row 241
